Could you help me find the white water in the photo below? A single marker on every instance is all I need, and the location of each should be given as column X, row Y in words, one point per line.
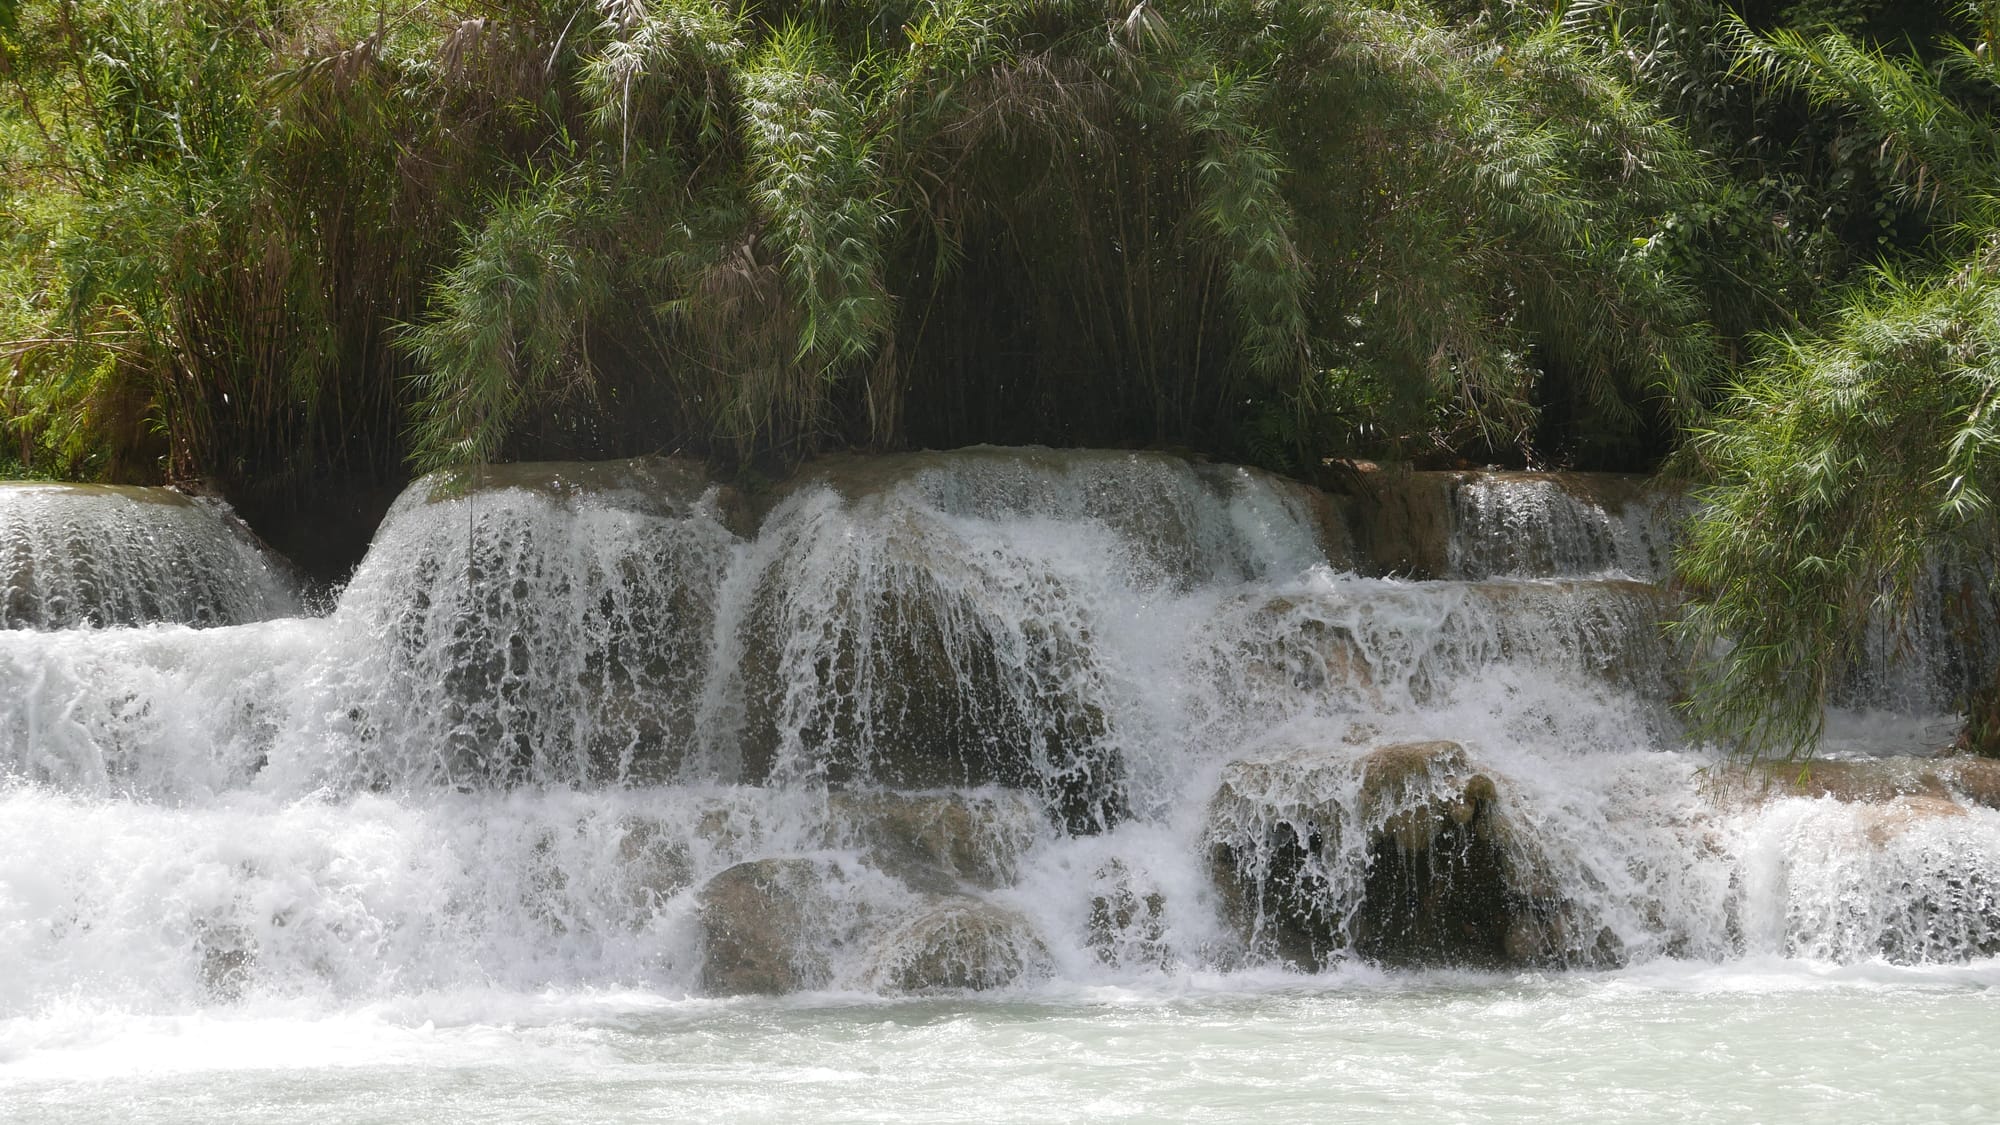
column 74, row 555
column 444, row 850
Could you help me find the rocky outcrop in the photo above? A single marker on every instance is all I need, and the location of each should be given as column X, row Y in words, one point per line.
column 883, row 649
column 1472, row 525
column 1364, row 646
column 1404, row 523
column 78, row 555
column 547, row 622
column 1403, row 855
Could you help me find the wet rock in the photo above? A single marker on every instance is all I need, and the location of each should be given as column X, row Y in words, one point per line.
column 225, row 958
column 666, row 487
column 1404, row 855
column 1173, row 512
column 923, row 689
column 1128, row 922
column 547, row 622
column 882, row 650
column 961, row 944
column 761, row 927
column 1404, row 522
column 937, row 842
column 1331, row 516
column 1957, row 780
column 656, row 864
column 1471, row 525
column 1350, row 645
column 1295, row 648
column 1886, row 822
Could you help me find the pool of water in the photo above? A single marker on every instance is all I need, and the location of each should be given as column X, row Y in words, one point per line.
column 1674, row 1042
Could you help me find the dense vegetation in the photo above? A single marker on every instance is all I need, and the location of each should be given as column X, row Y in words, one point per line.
column 1853, row 469
column 266, row 242
column 296, row 247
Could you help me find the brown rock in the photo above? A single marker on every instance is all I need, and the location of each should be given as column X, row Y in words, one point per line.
column 1447, row 878
column 759, row 927
column 937, row 842
column 961, row 944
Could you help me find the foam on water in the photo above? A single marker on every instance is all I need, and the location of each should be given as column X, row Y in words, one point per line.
column 1771, row 1044
column 975, row 710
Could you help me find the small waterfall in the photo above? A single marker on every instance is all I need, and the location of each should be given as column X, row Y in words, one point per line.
column 102, row 555
column 1521, row 525
column 545, row 628
column 935, row 722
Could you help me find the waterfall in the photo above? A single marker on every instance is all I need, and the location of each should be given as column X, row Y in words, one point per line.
column 914, row 723
column 103, row 555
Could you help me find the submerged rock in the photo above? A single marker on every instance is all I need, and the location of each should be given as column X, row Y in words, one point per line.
column 1404, row 855
column 960, row 944
column 225, row 958
column 655, row 862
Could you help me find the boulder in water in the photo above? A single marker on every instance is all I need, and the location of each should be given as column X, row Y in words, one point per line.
column 960, row 944
column 655, row 861
column 225, row 958
column 761, row 927
column 1128, row 921
column 1404, row 855
column 937, row 842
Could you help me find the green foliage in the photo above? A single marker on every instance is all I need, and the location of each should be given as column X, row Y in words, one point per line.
column 1846, row 464
column 1856, row 454
column 508, row 323
column 319, row 238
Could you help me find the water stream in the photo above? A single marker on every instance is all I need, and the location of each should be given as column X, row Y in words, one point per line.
column 1107, row 784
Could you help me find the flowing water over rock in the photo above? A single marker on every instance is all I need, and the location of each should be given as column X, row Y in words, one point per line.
column 76, row 555
column 1016, row 722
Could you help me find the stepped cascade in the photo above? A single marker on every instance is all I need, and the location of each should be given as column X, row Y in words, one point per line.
column 920, row 723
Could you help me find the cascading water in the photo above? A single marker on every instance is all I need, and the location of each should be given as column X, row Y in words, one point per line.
column 73, row 555
column 930, row 723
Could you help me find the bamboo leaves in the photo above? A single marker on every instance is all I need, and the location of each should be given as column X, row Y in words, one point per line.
column 509, row 323
column 756, row 230
column 815, row 179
